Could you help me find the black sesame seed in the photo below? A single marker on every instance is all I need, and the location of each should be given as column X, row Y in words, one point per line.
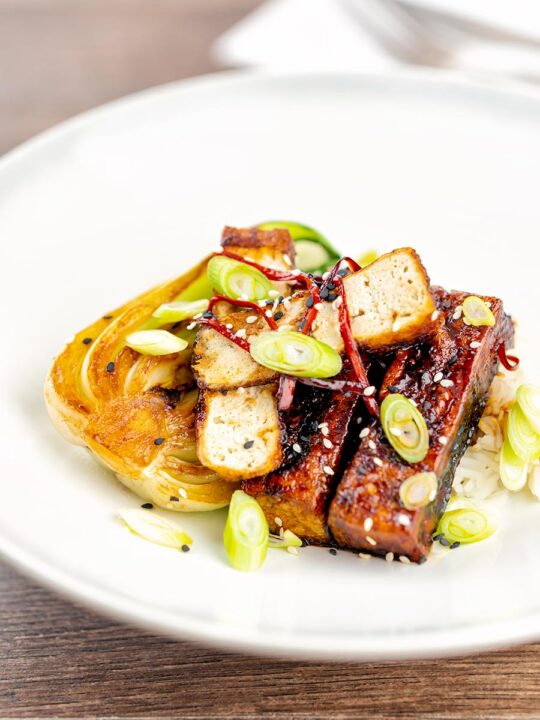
column 455, row 545
column 437, row 537
column 249, row 444
column 147, row 506
column 278, row 315
column 302, row 325
column 331, row 285
column 333, row 551
column 444, row 541
column 342, row 272
column 280, row 299
column 87, row 341
column 110, row 367
column 159, row 441
column 324, row 293
column 269, row 302
column 173, row 499
column 422, row 560
column 331, row 296
column 185, row 548
column 207, row 314
column 303, row 438
column 453, row 359
column 393, row 388
column 310, row 301
column 108, row 317
column 314, row 426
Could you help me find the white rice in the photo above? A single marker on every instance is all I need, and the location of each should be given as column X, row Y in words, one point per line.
column 477, row 476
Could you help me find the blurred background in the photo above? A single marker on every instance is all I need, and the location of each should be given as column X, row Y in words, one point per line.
column 60, row 57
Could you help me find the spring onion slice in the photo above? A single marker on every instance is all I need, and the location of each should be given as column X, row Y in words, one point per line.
column 367, row 258
column 153, row 528
column 528, row 399
column 512, row 469
column 405, row 428
column 293, row 353
column 521, row 435
column 477, row 313
column 179, row 310
column 246, row 533
column 236, row 280
column 286, row 540
column 418, row 490
column 465, row 525
column 155, row 342
column 314, row 252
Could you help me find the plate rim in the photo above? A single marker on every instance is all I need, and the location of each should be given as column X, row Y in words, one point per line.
column 431, row 643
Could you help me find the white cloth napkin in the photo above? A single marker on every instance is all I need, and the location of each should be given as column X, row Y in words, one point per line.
column 319, row 35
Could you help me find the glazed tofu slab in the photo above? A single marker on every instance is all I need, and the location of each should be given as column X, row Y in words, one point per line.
column 448, row 379
column 297, row 495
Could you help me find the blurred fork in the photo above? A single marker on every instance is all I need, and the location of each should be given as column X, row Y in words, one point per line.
column 422, row 37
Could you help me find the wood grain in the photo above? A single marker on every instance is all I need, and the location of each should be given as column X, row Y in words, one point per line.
column 61, row 661
column 57, row 58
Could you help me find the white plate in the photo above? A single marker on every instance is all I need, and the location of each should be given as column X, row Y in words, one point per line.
column 123, row 197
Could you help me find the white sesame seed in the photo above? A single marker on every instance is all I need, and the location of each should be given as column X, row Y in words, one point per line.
column 292, row 550
column 325, row 431
column 286, row 303
column 229, row 326
column 323, row 424
column 378, row 461
column 396, row 325
column 368, row 524
column 296, row 272
column 328, row 470
column 275, row 305
column 281, row 532
column 370, row 540
column 296, row 447
column 287, row 260
column 318, row 306
column 435, row 314
column 218, row 251
column 244, row 296
column 326, row 275
column 251, row 319
column 364, row 432
column 389, row 556
column 182, row 492
column 364, row 556
column 261, row 303
column 338, row 302
column 328, row 443
column 197, row 316
column 443, row 440
column 191, row 326
column 273, row 294
column 369, row 391
column 457, row 313
column 395, row 431
column 268, row 313
column 447, row 383
column 278, row 521
column 438, row 376
column 403, row 519
column 432, row 495
column 404, row 559
column 475, row 344
column 371, row 445
column 241, row 333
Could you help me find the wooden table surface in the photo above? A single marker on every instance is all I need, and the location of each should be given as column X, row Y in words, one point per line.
column 57, row 58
